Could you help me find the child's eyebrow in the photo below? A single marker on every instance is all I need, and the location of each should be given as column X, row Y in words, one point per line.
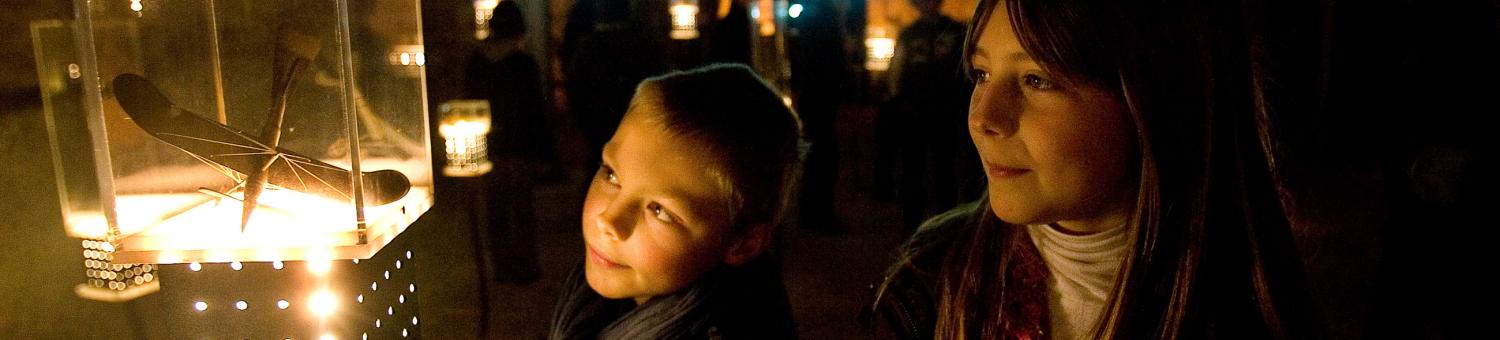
column 689, row 207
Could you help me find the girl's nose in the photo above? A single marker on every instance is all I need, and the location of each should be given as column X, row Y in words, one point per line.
column 993, row 110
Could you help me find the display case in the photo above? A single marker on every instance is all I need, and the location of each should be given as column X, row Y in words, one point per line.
column 238, row 130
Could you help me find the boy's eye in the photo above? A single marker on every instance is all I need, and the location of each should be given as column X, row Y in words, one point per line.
column 1037, row 82
column 979, row 76
column 660, row 213
column 609, row 175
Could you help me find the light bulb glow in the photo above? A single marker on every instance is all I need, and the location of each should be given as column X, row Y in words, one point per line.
column 322, row 303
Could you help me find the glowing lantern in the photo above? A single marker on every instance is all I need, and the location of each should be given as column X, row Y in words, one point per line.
column 684, row 19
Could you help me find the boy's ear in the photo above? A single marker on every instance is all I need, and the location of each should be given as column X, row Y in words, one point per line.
column 746, row 248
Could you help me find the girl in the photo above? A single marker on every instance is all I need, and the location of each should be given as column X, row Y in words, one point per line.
column 688, row 198
column 1132, row 190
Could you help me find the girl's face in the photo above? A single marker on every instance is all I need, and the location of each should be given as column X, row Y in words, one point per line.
column 1053, row 151
column 656, row 216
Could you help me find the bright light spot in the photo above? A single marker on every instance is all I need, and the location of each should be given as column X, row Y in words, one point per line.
column 403, row 332
column 405, row 58
column 322, row 303
column 398, row 264
column 390, row 310
column 326, row 337
column 109, row 247
column 377, row 323
column 241, row 305
column 420, row 59
column 408, row 254
column 755, row 12
column 411, row 288
column 200, row 306
column 236, row 265
column 195, row 266
column 318, row 268
column 277, row 264
column 401, row 299
column 413, row 321
column 387, row 275
column 356, row 261
column 135, row 5
column 360, row 298
column 794, row 11
column 364, row 336
column 283, row 304
column 373, row 286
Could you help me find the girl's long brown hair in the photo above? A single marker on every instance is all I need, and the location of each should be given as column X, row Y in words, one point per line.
column 1203, row 82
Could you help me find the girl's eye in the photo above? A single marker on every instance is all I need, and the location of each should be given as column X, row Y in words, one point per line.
column 660, row 213
column 1037, row 82
column 979, row 76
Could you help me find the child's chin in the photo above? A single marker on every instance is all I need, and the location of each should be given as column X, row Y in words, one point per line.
column 602, row 285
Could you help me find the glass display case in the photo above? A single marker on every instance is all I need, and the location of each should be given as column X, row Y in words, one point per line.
column 238, row 130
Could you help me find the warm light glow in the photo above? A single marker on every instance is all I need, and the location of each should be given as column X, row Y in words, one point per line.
column 135, row 5
column 322, row 303
column 405, row 58
column 319, row 267
column 195, row 266
column 360, row 298
column 484, row 10
column 277, row 264
column 241, row 305
column 236, row 265
column 419, row 58
column 403, row 332
column 684, row 21
column 200, row 306
column 879, row 50
column 289, row 225
column 326, row 337
column 282, row 304
column 794, row 11
column 464, row 126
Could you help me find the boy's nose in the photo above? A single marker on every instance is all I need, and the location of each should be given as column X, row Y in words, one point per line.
column 614, row 223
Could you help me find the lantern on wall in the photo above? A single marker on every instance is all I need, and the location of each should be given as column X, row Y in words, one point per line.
column 484, row 10
column 684, row 19
column 465, row 127
column 880, row 48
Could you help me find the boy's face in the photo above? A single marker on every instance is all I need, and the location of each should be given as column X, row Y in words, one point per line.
column 656, row 215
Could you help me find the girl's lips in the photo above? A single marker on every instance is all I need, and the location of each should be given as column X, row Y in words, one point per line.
column 600, row 259
column 999, row 171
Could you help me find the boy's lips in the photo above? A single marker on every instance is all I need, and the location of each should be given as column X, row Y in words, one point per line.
column 598, row 258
